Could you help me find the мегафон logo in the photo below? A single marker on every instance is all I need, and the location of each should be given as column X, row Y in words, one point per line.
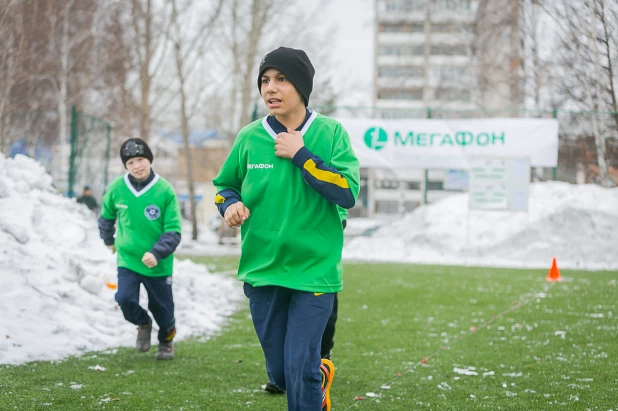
column 376, row 138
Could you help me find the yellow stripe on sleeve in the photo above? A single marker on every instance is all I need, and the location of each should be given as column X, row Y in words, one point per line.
column 219, row 199
column 324, row 175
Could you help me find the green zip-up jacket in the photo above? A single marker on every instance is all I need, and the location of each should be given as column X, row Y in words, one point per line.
column 294, row 236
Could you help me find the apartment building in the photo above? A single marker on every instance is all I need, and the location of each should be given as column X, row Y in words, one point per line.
column 423, row 59
column 424, row 56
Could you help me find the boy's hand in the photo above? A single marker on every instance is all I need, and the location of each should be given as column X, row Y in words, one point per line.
column 112, row 248
column 288, row 144
column 236, row 214
column 149, row 260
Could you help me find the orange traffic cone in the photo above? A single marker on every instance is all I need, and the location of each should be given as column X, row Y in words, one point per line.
column 554, row 272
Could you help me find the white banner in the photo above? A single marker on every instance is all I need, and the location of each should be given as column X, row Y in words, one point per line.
column 448, row 144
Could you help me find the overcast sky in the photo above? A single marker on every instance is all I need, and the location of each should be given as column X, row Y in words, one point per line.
column 352, row 48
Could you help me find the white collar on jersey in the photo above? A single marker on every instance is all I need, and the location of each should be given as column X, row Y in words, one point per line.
column 272, row 133
column 143, row 190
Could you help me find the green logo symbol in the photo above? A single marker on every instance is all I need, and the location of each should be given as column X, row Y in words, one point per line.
column 376, row 138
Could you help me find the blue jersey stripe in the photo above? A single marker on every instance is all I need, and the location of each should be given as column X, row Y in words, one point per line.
column 226, row 198
column 325, row 180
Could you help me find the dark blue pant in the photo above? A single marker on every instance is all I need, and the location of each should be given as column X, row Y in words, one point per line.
column 329, row 332
column 160, row 301
column 289, row 324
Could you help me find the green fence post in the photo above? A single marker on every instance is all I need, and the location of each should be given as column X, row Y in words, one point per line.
column 554, row 172
column 72, row 171
column 426, row 171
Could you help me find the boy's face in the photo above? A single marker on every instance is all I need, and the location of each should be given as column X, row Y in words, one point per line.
column 138, row 167
column 279, row 94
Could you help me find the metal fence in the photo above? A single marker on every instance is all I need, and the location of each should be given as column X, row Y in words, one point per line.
column 74, row 162
column 89, row 153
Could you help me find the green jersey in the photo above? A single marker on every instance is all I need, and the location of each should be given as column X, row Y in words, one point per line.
column 343, row 213
column 293, row 237
column 142, row 216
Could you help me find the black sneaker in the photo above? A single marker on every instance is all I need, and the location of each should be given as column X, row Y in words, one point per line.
column 165, row 351
column 143, row 336
column 272, row 388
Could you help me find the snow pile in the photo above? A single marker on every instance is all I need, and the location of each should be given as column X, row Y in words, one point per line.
column 577, row 224
column 56, row 276
column 207, row 242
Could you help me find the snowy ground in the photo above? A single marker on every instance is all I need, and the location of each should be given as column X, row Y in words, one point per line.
column 207, row 242
column 55, row 299
column 577, row 224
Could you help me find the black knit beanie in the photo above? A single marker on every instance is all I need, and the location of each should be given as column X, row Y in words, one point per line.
column 135, row 147
column 295, row 65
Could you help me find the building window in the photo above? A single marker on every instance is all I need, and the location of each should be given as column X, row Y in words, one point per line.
column 401, row 50
column 447, row 50
column 448, row 72
column 387, row 207
column 402, row 27
column 413, row 185
column 387, row 184
column 435, row 185
column 404, row 6
column 452, row 5
column 400, row 94
column 451, row 28
column 401, row 71
column 448, row 94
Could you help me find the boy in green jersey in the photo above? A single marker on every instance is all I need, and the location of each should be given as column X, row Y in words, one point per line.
column 145, row 209
column 282, row 182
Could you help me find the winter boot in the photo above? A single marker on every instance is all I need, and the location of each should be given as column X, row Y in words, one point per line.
column 143, row 336
column 165, row 351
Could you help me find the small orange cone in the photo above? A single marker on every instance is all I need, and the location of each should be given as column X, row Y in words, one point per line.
column 554, row 272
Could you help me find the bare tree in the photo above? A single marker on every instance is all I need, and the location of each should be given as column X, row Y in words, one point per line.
column 148, row 44
column 113, row 87
column 72, row 31
column 184, row 49
column 244, row 41
column 535, row 67
column 587, row 80
column 498, row 53
column 515, row 55
column 607, row 13
column 11, row 45
column 254, row 28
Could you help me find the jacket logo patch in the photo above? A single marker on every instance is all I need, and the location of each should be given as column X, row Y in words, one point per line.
column 261, row 165
column 152, row 212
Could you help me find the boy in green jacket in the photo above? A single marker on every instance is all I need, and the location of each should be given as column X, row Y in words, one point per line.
column 282, row 182
column 148, row 218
